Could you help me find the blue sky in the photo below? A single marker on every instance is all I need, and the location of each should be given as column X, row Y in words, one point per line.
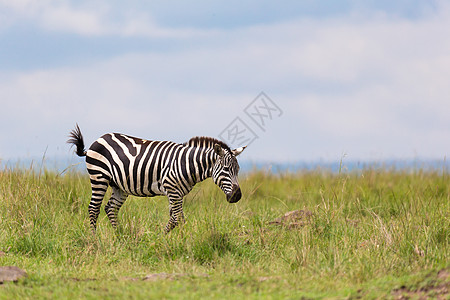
column 368, row 79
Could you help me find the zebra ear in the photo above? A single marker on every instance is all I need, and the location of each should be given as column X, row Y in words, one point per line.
column 238, row 151
column 218, row 149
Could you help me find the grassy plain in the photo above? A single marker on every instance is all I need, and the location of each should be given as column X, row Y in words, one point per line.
column 371, row 234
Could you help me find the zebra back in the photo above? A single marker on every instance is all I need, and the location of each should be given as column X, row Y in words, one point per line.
column 138, row 166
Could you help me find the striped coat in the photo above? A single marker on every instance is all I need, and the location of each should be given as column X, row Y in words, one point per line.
column 144, row 168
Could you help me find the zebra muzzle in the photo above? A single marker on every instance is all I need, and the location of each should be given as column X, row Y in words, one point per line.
column 235, row 194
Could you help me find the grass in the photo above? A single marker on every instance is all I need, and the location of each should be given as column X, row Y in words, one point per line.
column 372, row 234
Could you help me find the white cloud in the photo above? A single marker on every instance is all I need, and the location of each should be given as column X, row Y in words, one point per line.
column 54, row 16
column 89, row 19
column 66, row 19
column 362, row 86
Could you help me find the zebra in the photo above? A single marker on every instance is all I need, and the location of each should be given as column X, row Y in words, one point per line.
column 145, row 168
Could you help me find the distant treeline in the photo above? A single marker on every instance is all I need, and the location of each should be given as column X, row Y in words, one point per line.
column 62, row 165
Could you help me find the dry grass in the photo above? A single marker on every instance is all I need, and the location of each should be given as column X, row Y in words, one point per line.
column 371, row 234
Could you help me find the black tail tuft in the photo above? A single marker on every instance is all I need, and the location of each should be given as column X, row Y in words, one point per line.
column 76, row 138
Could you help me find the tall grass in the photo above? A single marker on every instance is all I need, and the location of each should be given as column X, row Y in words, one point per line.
column 375, row 228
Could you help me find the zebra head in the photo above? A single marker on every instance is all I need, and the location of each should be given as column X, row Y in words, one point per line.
column 225, row 172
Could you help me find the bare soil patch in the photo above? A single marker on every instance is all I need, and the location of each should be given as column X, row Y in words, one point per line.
column 11, row 273
column 439, row 289
column 294, row 219
column 164, row 276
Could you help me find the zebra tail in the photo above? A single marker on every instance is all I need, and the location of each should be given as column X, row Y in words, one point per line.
column 76, row 138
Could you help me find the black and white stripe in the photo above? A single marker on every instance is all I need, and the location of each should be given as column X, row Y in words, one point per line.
column 134, row 166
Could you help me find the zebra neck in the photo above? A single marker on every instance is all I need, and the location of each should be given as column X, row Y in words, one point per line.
column 205, row 162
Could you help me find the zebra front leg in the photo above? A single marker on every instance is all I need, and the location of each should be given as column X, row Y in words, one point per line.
column 116, row 201
column 176, row 213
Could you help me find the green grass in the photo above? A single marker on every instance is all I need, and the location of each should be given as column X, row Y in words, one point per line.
column 373, row 234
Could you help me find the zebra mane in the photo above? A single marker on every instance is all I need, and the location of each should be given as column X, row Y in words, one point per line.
column 206, row 142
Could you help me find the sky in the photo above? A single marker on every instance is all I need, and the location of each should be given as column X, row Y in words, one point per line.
column 296, row 80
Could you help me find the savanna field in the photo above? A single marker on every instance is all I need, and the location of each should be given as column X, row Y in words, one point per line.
column 371, row 234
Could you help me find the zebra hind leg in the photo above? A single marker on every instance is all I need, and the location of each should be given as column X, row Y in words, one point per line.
column 98, row 193
column 116, row 201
